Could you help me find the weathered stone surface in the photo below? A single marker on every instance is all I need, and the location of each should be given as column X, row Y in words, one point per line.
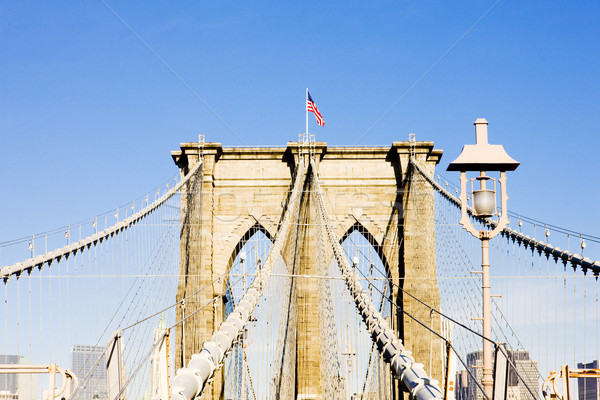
column 366, row 188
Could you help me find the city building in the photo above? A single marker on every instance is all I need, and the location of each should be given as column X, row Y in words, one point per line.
column 466, row 389
column 18, row 386
column 88, row 363
column 462, row 385
column 589, row 388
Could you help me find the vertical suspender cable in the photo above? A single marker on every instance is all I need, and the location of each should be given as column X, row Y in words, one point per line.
column 42, row 313
column 534, row 308
column 584, row 318
column 547, row 330
column 5, row 321
column 574, row 338
column 68, row 291
column 555, row 313
column 18, row 315
column 76, row 294
column 30, row 338
column 539, row 289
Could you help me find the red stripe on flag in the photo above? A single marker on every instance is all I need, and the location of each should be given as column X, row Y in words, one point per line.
column 312, row 107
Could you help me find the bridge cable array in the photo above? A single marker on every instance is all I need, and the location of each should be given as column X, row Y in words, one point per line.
column 93, row 285
column 123, row 279
column 191, row 380
column 565, row 255
column 531, row 301
column 73, row 248
column 412, row 375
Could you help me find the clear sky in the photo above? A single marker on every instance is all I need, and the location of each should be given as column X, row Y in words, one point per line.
column 94, row 95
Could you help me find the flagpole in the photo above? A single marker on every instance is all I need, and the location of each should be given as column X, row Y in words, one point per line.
column 306, row 108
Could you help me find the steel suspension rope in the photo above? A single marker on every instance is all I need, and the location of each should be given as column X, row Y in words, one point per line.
column 565, row 255
column 191, row 380
column 72, row 248
column 412, row 375
column 529, row 243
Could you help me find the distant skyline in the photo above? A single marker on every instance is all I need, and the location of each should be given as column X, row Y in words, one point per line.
column 23, row 386
column 96, row 94
column 90, row 360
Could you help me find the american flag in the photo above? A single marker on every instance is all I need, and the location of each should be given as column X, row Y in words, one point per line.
column 312, row 107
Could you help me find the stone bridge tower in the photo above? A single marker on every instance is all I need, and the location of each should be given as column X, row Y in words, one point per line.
column 367, row 187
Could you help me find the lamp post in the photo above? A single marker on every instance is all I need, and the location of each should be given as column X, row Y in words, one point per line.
column 484, row 157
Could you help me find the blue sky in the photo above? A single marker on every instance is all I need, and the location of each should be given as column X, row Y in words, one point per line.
column 94, row 95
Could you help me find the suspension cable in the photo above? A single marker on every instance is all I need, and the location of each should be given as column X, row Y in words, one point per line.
column 72, row 248
column 190, row 381
column 429, row 307
column 575, row 259
column 176, row 303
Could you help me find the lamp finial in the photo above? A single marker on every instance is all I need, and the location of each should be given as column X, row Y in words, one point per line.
column 481, row 131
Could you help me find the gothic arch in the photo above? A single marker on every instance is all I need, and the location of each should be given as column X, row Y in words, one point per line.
column 249, row 229
column 244, row 231
column 379, row 250
column 347, row 224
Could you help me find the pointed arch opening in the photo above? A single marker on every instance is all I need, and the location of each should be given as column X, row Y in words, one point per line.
column 256, row 242
column 364, row 244
column 365, row 372
column 245, row 373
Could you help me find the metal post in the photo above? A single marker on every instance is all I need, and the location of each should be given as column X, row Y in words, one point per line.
column 306, row 108
column 450, row 389
column 52, row 381
column 566, row 389
column 183, row 332
column 241, row 348
column 484, row 157
column 488, row 376
column 115, row 367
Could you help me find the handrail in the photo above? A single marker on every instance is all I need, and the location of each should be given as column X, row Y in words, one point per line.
column 549, row 386
column 66, row 374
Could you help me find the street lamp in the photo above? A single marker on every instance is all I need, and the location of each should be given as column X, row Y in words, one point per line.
column 484, row 157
